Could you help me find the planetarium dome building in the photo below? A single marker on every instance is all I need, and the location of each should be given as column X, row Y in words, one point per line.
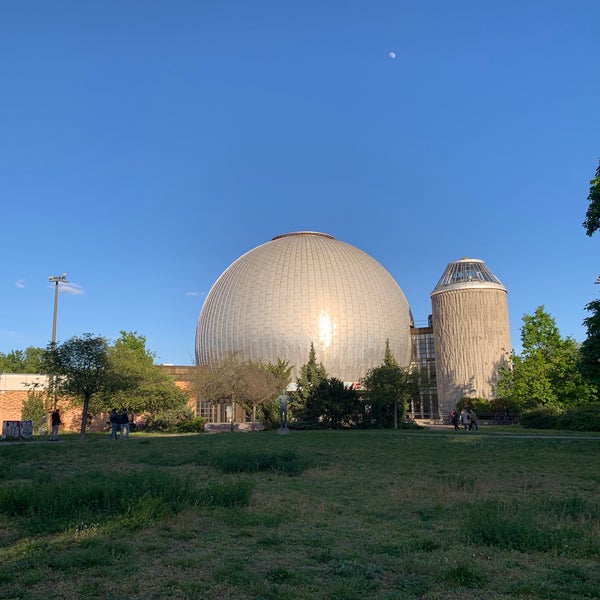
column 302, row 288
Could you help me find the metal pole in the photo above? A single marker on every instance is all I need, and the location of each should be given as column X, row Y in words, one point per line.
column 54, row 314
column 58, row 279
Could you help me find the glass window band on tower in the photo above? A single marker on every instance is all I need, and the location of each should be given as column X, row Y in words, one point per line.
column 425, row 405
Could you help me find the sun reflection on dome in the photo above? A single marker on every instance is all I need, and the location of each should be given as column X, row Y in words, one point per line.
column 326, row 329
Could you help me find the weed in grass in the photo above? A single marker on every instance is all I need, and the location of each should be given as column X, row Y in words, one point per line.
column 464, row 575
column 285, row 462
column 549, row 524
column 226, row 494
column 413, row 586
column 282, row 575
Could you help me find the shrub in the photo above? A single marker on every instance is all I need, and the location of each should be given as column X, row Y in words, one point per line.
column 33, row 409
column 479, row 405
column 585, row 418
column 542, row 417
column 194, row 425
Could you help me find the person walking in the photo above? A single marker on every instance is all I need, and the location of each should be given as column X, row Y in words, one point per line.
column 123, row 420
column 464, row 418
column 454, row 419
column 113, row 419
column 473, row 416
column 55, row 422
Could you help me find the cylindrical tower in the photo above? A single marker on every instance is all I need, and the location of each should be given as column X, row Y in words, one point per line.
column 471, row 332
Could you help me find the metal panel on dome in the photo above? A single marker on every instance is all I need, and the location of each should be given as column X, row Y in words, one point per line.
column 302, row 288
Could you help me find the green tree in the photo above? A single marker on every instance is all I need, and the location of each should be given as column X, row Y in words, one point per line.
column 311, row 375
column 246, row 383
column 592, row 216
column 334, row 406
column 18, row 361
column 589, row 364
column 35, row 409
column 389, row 387
column 268, row 412
column 546, row 373
column 137, row 383
column 80, row 369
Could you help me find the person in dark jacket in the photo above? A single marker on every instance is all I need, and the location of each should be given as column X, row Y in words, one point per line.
column 56, row 422
column 113, row 418
column 123, row 419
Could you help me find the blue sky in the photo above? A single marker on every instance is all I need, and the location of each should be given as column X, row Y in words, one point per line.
column 145, row 145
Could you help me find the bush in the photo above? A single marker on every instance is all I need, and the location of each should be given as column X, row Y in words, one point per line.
column 585, row 418
column 194, row 425
column 169, row 420
column 542, row 417
column 479, row 405
column 33, row 410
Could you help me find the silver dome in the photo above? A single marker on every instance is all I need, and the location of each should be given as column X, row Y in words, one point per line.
column 305, row 287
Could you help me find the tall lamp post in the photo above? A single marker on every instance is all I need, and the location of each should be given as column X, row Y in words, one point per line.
column 58, row 279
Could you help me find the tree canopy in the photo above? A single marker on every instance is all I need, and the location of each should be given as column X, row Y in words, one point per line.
column 389, row 388
column 546, row 372
column 246, row 383
column 590, row 348
column 80, row 369
column 592, row 216
column 139, row 384
column 29, row 360
column 311, row 375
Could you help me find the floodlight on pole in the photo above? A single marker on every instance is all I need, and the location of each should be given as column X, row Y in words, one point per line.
column 56, row 279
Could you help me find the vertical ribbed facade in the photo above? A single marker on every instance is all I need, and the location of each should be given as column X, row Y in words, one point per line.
column 305, row 288
column 471, row 332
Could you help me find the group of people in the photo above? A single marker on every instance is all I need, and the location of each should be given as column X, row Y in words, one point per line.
column 466, row 419
column 119, row 424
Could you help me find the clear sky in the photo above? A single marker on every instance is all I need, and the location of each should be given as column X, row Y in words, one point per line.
column 146, row 144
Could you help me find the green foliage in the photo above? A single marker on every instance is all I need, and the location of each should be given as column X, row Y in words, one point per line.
column 286, row 462
column 389, row 388
column 547, row 372
column 333, row 406
column 35, row 409
column 137, row 383
column 376, row 515
column 18, row 361
column 542, row 417
column 592, row 216
column 581, row 418
column 535, row 524
column 81, row 369
column 479, row 405
column 268, row 414
column 576, row 418
column 136, row 499
column 311, row 375
column 173, row 420
column 192, row 425
column 589, row 364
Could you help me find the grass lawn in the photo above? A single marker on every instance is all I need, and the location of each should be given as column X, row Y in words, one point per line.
column 314, row 515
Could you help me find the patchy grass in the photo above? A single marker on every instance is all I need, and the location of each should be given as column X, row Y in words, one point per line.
column 312, row 515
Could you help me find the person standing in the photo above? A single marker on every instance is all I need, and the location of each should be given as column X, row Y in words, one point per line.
column 56, row 422
column 123, row 420
column 113, row 418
